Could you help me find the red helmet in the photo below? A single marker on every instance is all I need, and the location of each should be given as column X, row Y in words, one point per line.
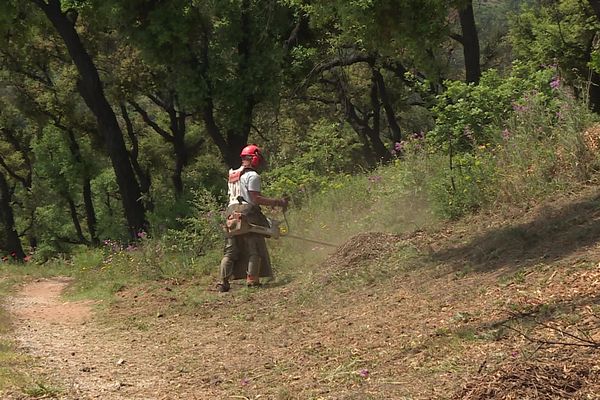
column 253, row 151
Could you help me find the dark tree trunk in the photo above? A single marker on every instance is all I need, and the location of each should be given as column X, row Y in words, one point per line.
column 176, row 137
column 75, row 218
column 237, row 138
column 596, row 7
column 90, row 212
column 361, row 126
column 181, row 160
column 142, row 176
column 594, row 85
column 470, row 42
column 231, row 157
column 90, row 88
column 13, row 243
column 387, row 106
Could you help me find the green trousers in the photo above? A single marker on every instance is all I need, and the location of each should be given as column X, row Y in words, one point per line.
column 243, row 248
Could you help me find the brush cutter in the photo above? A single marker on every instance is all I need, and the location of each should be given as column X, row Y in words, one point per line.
column 237, row 224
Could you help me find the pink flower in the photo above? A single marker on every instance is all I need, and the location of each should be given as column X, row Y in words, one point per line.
column 245, row 382
column 519, row 107
column 555, row 83
column 364, row 373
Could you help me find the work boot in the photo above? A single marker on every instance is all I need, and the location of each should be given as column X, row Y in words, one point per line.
column 252, row 281
column 223, row 287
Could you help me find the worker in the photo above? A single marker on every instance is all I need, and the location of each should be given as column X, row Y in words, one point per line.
column 246, row 255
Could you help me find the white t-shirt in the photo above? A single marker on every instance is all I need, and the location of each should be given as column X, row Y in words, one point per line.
column 249, row 181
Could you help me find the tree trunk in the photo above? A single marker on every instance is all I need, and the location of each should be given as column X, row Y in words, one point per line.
column 181, row 160
column 13, row 243
column 90, row 213
column 470, row 42
column 90, row 88
column 233, row 141
column 75, row 218
column 176, row 136
column 361, row 126
column 593, row 93
column 395, row 131
column 143, row 176
column 383, row 154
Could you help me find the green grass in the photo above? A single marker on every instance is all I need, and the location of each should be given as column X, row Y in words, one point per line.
column 40, row 390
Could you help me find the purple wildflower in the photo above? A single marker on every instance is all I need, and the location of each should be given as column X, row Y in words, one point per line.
column 364, row 373
column 245, row 382
column 519, row 107
column 141, row 234
column 418, row 135
column 375, row 178
column 555, row 83
column 506, row 134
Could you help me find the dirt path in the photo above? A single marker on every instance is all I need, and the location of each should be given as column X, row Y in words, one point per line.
column 264, row 349
column 84, row 359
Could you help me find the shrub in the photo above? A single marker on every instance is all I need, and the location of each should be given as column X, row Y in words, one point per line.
column 202, row 230
column 328, row 152
column 506, row 140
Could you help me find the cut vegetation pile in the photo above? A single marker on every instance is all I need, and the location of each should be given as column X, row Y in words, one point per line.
column 363, row 248
column 576, row 375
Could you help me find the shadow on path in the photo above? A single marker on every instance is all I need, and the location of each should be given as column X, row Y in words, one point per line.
column 554, row 234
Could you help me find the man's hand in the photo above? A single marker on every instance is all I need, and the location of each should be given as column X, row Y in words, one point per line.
column 283, row 203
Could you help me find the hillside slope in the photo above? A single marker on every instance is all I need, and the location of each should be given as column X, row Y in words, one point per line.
column 493, row 307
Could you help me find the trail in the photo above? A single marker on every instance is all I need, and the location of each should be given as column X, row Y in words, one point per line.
column 87, row 360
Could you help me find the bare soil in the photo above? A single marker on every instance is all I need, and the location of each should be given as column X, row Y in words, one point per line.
column 506, row 309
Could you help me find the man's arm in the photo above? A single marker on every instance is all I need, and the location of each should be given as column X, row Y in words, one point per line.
column 261, row 200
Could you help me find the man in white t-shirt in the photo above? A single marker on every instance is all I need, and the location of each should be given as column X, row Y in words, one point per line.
column 248, row 250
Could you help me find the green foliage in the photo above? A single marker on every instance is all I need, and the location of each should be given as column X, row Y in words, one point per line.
column 468, row 116
column 108, row 207
column 595, row 61
column 202, row 230
column 326, row 153
column 508, row 140
column 42, row 390
column 466, row 187
column 556, row 33
column 383, row 25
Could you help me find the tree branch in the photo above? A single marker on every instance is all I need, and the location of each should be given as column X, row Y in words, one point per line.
column 582, row 342
column 457, row 37
column 152, row 124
